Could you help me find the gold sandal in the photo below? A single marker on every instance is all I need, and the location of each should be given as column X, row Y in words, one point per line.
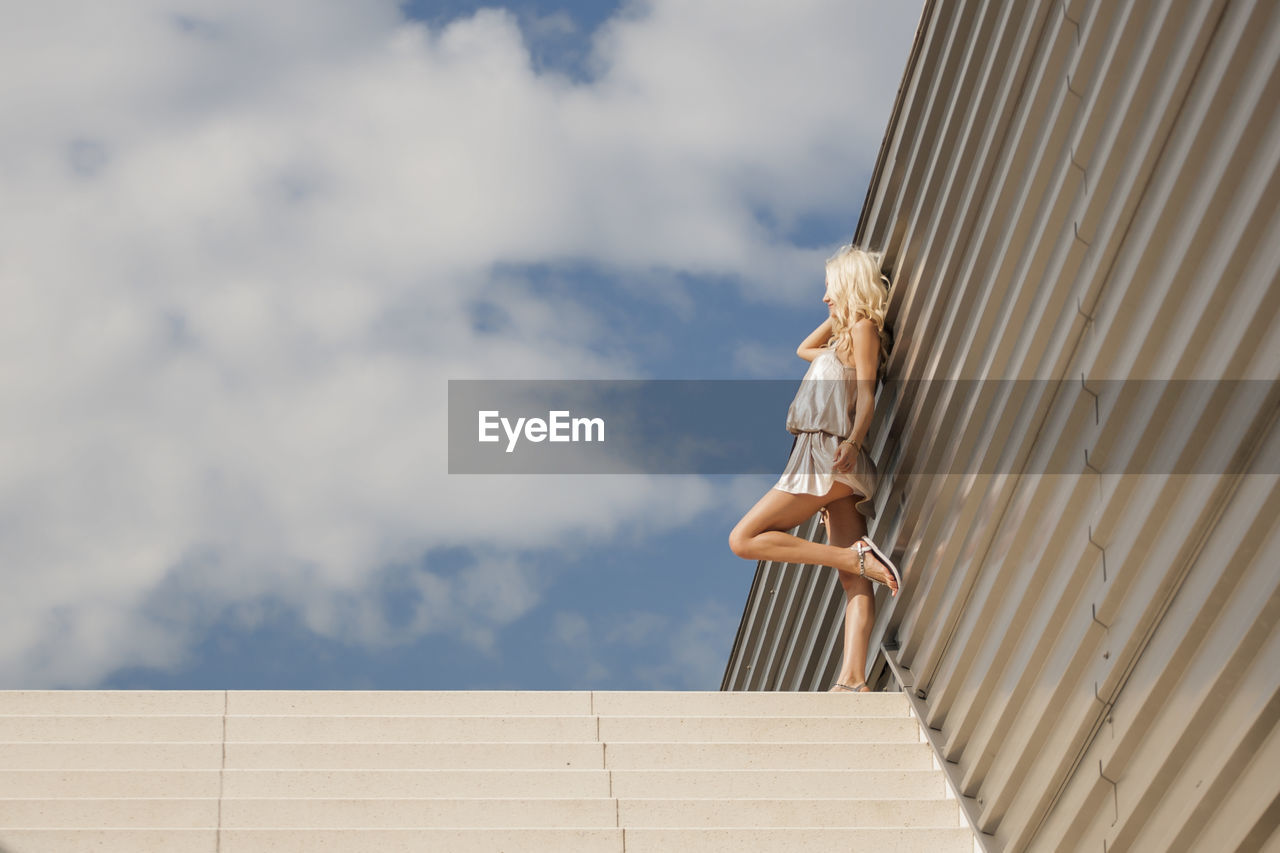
column 860, row 687
column 865, row 546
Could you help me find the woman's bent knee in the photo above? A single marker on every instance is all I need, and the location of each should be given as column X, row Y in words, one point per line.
column 741, row 539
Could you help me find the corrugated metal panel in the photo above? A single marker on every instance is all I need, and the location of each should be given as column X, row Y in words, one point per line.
column 1075, row 193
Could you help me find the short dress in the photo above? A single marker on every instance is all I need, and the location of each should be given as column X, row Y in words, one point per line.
column 820, row 417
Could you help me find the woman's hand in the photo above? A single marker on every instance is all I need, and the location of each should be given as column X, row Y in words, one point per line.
column 845, row 456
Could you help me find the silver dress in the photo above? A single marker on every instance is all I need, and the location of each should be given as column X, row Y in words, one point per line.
column 820, row 417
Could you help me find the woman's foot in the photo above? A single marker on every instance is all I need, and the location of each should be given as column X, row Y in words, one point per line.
column 874, row 565
column 840, row 687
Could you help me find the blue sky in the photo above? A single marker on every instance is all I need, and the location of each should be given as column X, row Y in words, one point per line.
column 248, row 246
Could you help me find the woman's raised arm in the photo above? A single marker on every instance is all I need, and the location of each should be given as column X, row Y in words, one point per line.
column 813, row 344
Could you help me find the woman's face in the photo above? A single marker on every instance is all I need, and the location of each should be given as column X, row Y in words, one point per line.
column 827, row 297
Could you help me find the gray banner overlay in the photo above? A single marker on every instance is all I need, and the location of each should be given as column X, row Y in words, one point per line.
column 716, row 427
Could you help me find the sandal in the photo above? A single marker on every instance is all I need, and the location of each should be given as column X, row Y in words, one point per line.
column 862, row 546
column 860, row 687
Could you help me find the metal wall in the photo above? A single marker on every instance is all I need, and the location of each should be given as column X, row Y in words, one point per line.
column 1072, row 194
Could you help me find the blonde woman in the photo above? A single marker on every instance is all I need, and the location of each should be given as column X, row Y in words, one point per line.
column 829, row 470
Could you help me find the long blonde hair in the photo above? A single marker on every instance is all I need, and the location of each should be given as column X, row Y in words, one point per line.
column 858, row 288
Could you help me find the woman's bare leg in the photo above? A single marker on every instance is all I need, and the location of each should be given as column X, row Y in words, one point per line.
column 761, row 534
column 845, row 525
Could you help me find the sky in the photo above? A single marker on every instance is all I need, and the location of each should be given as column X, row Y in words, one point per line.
column 245, row 246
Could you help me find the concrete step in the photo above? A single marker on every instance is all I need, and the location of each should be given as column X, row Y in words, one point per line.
column 746, row 704
column 861, row 784
column 400, row 729
column 478, row 755
column 226, row 771
column 120, row 813
column 467, row 840
column 109, row 840
column 779, row 812
column 799, row 840
column 568, row 703
column 584, row 783
column 114, row 702
column 754, row 755
column 620, row 756
column 478, row 812
column 857, row 784
column 760, row 729
column 444, row 703
column 369, row 729
column 44, row 784
column 91, row 755
column 110, row 729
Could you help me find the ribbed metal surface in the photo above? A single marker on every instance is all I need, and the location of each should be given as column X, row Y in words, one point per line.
column 1078, row 192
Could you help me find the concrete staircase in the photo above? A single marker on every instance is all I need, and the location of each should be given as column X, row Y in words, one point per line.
column 287, row 772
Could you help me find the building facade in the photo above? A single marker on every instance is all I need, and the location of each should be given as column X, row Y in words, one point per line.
column 1079, row 205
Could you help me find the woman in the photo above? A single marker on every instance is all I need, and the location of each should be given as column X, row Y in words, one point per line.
column 829, row 469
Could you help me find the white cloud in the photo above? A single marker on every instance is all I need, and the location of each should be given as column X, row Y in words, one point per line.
column 570, row 628
column 684, row 650
column 756, row 359
column 578, row 659
column 696, row 650
column 637, row 628
column 240, row 243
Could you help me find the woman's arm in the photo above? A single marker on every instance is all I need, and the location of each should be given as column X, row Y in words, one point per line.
column 813, row 344
column 866, row 360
